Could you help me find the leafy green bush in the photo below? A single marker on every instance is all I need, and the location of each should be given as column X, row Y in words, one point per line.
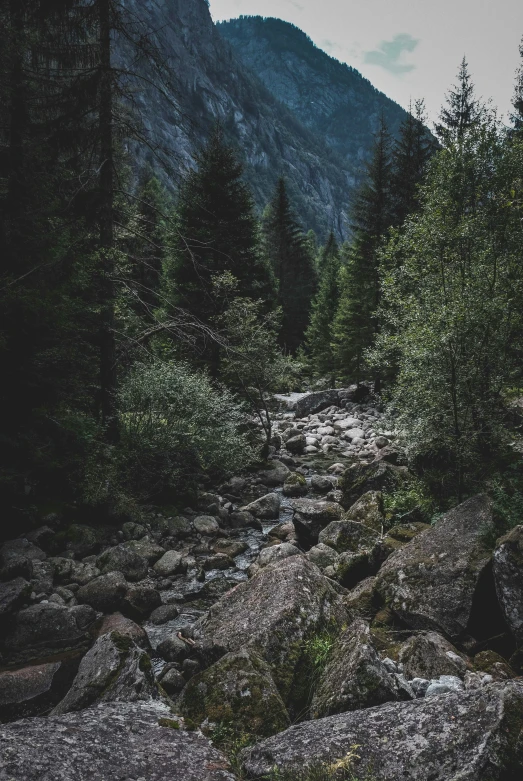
column 175, row 426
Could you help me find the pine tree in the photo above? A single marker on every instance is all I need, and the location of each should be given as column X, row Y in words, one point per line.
column 354, row 325
column 217, row 253
column 463, row 111
column 319, row 332
column 517, row 101
column 411, row 152
column 293, row 265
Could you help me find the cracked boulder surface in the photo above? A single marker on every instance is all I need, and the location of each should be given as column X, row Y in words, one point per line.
column 472, row 736
column 275, row 613
column 111, row 742
column 431, row 582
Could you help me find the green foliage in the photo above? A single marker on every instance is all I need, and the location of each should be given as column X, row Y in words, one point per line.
column 319, row 332
column 451, row 310
column 341, row 769
column 293, row 266
column 174, row 427
column 231, row 741
column 318, row 649
column 412, row 495
column 252, row 363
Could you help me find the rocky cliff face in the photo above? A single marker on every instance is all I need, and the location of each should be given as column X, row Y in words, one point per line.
column 207, row 82
column 327, row 96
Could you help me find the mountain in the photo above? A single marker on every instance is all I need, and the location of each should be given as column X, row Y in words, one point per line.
column 206, row 81
column 329, row 97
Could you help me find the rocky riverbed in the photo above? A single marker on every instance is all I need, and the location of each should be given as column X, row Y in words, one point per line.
column 286, row 613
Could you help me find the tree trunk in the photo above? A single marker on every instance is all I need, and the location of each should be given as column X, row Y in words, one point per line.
column 106, row 225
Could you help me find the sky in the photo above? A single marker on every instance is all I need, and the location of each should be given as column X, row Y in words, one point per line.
column 409, row 49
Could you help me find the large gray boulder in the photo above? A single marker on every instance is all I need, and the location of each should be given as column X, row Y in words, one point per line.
column 354, row 677
column 265, row 508
column 104, row 593
column 431, row 582
column 429, row 655
column 275, row 613
column 114, row 669
column 109, row 742
column 276, row 474
column 348, row 536
column 508, row 577
column 12, row 594
column 31, row 691
column 311, row 516
column 466, row 736
column 315, row 402
column 44, row 629
column 276, row 553
column 125, row 560
column 237, row 690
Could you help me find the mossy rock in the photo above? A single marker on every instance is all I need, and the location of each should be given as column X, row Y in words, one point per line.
column 295, row 485
column 493, row 664
column 361, row 478
column 81, row 539
column 237, row 690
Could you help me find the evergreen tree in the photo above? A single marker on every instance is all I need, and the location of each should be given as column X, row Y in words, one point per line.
column 319, row 332
column 518, row 96
column 411, row 152
column 463, row 111
column 293, row 265
column 354, row 325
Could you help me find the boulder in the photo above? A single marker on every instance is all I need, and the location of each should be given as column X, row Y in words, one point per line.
column 508, row 577
column 123, row 626
column 172, row 680
column 237, row 690
column 163, row 614
column 360, row 600
column 150, row 551
column 266, row 507
column 114, row 669
column 171, row 563
column 429, row 655
column 276, row 553
column 173, row 649
column 105, row 593
column 322, row 555
column 12, row 594
column 31, row 691
column 13, row 550
column 316, row 402
column 346, row 535
column 125, row 560
column 360, row 478
column 119, row 740
column 80, row 539
column 140, row 600
column 275, row 475
column 206, row 524
column 286, row 604
column 311, row 516
column 44, row 629
column 354, row 677
column 368, row 510
column 431, row 582
column 297, row 444
column 295, row 485
column 321, row 484
column 470, row 736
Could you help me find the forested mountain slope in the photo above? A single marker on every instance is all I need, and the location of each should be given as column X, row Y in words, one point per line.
column 207, row 82
column 327, row 96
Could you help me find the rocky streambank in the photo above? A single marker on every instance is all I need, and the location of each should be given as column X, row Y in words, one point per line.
column 280, row 623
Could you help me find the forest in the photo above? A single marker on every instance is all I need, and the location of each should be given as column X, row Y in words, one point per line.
column 261, row 488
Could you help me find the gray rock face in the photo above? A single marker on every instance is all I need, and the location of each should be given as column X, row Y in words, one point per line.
column 322, row 555
column 274, row 613
column 125, row 627
column 237, row 689
column 125, row 560
column 368, row 510
column 140, row 600
column 348, row 536
column 296, row 444
column 508, row 577
column 277, row 475
column 169, row 564
column 470, row 736
column 29, row 691
column 311, row 516
column 108, row 742
column 276, row 553
column 315, row 402
column 104, row 593
column 206, row 524
column 114, row 669
column 430, row 583
column 429, row 655
column 355, row 677
column 12, row 594
column 46, row 628
column 266, row 507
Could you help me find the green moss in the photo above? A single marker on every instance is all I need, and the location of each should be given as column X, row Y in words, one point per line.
column 145, row 664
column 123, row 643
column 169, row 723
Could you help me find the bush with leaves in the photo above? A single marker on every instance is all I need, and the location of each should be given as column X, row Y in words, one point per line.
column 175, row 427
